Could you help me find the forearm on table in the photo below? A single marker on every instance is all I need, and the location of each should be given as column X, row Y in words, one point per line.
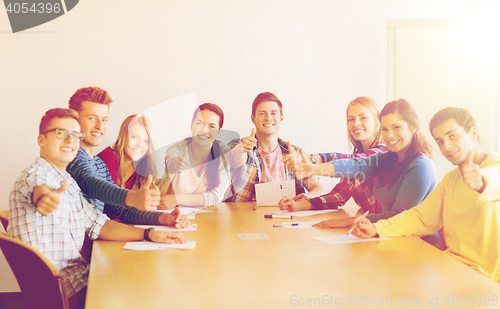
column 133, row 215
column 121, row 232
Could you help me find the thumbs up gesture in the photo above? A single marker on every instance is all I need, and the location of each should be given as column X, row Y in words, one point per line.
column 249, row 142
column 293, row 159
column 179, row 163
column 145, row 198
column 471, row 173
column 46, row 203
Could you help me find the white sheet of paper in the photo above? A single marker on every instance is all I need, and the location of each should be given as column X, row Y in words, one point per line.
column 299, row 225
column 270, row 193
column 190, row 227
column 303, row 213
column 345, row 239
column 248, row 236
column 147, row 245
column 189, row 212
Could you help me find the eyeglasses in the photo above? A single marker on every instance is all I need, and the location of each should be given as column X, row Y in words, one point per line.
column 64, row 134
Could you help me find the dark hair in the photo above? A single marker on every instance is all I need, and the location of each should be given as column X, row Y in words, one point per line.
column 265, row 97
column 91, row 94
column 55, row 113
column 213, row 168
column 210, row 107
column 462, row 116
column 390, row 167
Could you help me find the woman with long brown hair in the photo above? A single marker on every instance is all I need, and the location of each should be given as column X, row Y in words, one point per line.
column 406, row 173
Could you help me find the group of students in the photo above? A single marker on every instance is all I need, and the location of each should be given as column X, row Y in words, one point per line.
column 70, row 191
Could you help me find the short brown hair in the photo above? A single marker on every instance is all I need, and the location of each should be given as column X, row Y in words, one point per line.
column 55, row 113
column 210, row 107
column 91, row 94
column 462, row 116
column 265, row 97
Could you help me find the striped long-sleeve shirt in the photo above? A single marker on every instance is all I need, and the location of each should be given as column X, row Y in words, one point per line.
column 361, row 192
column 98, row 188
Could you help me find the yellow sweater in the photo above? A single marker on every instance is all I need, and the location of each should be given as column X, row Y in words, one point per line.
column 471, row 220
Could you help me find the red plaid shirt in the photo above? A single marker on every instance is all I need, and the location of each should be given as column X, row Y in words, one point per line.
column 244, row 178
column 361, row 192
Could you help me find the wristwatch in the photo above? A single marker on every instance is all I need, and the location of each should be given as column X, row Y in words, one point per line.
column 313, row 159
column 146, row 233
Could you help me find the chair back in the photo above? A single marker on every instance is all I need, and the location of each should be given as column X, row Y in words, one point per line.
column 4, row 218
column 40, row 282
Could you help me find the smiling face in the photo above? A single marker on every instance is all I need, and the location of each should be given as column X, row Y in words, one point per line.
column 361, row 123
column 396, row 134
column 453, row 141
column 205, row 128
column 59, row 152
column 267, row 118
column 94, row 123
column 138, row 142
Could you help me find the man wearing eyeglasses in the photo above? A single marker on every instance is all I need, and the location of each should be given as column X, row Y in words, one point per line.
column 59, row 232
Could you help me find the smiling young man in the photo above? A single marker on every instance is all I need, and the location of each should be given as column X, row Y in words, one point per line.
column 93, row 177
column 260, row 154
column 466, row 203
column 59, row 231
column 197, row 172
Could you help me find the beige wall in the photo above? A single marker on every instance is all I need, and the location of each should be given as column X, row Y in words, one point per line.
column 315, row 56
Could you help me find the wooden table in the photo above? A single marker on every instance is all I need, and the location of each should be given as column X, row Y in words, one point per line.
column 287, row 270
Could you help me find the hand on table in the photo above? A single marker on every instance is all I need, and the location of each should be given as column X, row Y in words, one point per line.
column 166, row 237
column 299, row 202
column 175, row 219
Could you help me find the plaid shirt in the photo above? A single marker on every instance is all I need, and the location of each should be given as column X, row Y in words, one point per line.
column 244, row 178
column 361, row 192
column 60, row 235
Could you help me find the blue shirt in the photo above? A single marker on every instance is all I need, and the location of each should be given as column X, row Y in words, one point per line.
column 415, row 182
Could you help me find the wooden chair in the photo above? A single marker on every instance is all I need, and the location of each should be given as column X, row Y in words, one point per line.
column 4, row 218
column 40, row 282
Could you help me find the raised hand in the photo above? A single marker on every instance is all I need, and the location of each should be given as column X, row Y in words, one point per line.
column 249, row 142
column 471, row 173
column 179, row 163
column 47, row 203
column 304, row 168
column 145, row 198
column 293, row 159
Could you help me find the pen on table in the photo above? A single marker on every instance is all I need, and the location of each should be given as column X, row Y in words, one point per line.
column 280, row 225
column 352, row 228
column 278, row 216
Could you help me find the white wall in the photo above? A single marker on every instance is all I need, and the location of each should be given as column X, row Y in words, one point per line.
column 315, row 56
